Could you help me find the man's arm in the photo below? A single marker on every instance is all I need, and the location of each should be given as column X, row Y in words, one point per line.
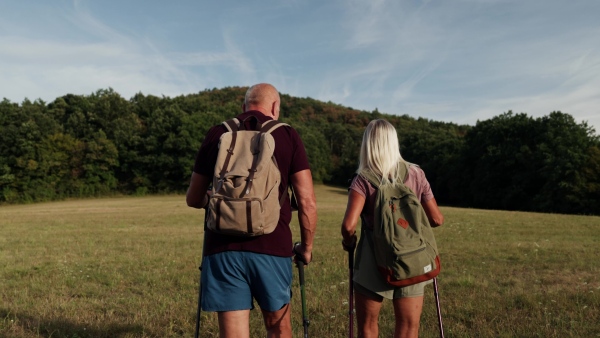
column 307, row 211
column 433, row 213
column 196, row 195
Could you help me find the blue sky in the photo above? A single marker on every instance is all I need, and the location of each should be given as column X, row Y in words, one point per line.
column 456, row 61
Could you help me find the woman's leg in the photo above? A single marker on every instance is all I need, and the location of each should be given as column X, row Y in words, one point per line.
column 408, row 316
column 367, row 315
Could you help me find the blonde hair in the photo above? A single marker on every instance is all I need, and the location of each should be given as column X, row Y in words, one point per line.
column 380, row 151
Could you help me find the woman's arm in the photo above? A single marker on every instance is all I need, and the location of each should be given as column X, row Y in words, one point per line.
column 433, row 213
column 355, row 205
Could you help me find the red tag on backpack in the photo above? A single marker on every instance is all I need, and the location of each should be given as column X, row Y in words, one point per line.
column 403, row 223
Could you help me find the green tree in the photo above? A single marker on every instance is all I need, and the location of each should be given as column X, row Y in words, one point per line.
column 98, row 144
column 564, row 148
column 515, row 162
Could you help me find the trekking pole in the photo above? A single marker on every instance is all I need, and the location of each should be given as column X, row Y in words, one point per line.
column 197, row 332
column 300, row 265
column 199, row 310
column 437, row 304
column 351, row 293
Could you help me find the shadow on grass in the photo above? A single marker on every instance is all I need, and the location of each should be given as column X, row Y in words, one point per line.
column 65, row 328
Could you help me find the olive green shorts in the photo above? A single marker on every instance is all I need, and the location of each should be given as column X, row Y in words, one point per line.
column 416, row 290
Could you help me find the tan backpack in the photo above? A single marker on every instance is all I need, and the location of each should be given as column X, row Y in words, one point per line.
column 245, row 194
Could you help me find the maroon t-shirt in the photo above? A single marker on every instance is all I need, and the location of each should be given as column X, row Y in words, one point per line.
column 291, row 158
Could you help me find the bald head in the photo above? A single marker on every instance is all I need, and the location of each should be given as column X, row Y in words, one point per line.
column 264, row 98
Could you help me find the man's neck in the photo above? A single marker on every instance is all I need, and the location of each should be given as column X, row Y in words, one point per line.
column 258, row 110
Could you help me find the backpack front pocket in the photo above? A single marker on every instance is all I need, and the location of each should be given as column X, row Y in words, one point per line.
column 233, row 214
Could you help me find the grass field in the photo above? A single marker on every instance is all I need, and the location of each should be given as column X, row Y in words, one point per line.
column 128, row 267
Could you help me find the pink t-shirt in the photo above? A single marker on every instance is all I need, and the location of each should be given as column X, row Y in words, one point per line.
column 415, row 180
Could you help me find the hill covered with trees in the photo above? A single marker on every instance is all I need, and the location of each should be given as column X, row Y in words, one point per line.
column 103, row 144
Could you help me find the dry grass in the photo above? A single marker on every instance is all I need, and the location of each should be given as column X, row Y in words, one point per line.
column 127, row 267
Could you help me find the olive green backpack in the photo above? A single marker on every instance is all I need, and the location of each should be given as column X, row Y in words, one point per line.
column 402, row 239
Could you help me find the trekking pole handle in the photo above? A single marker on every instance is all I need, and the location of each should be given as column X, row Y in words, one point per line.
column 299, row 257
column 300, row 266
column 299, row 262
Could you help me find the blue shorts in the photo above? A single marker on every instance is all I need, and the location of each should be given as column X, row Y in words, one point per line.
column 231, row 279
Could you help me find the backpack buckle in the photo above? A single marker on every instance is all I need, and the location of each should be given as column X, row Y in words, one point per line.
column 219, row 185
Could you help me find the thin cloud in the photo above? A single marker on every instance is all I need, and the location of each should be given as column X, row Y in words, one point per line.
column 242, row 62
column 482, row 67
column 398, row 49
column 115, row 60
column 203, row 58
column 57, row 52
column 455, row 62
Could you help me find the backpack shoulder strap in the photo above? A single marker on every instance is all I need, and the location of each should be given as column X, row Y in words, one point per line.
column 267, row 128
column 270, row 125
column 404, row 169
column 371, row 177
column 375, row 181
column 232, row 124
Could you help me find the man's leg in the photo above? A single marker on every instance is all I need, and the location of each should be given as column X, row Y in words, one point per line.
column 278, row 323
column 271, row 278
column 225, row 291
column 408, row 316
column 234, row 324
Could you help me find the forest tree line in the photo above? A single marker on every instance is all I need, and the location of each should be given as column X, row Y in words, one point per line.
column 103, row 144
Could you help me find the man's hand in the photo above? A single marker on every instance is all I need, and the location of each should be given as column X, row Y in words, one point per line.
column 349, row 243
column 302, row 253
column 206, row 199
